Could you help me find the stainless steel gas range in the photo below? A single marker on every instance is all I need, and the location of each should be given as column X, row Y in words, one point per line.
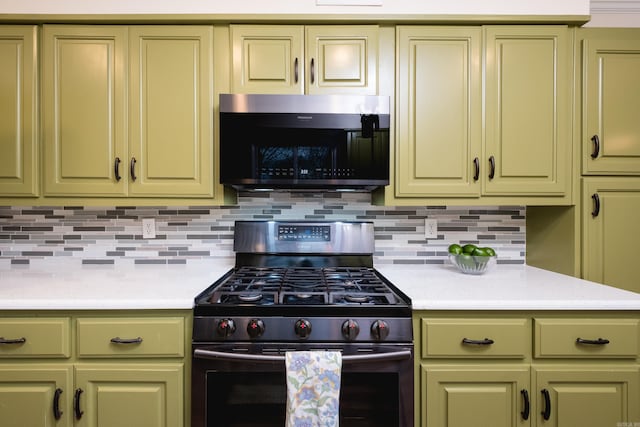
column 301, row 286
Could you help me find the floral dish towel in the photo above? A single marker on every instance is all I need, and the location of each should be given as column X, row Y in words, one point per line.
column 313, row 388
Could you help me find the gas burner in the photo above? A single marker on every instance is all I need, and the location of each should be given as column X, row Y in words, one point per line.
column 254, row 297
column 357, row 298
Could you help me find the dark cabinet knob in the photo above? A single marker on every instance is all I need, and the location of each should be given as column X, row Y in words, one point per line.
column 226, row 327
column 302, row 328
column 350, row 329
column 380, row 330
column 255, row 328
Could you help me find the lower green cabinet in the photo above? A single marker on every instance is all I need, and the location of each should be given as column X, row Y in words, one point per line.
column 542, row 369
column 30, row 395
column 479, row 396
column 129, row 395
column 594, row 396
column 100, row 369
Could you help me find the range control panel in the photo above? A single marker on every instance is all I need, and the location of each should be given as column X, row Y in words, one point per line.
column 304, row 233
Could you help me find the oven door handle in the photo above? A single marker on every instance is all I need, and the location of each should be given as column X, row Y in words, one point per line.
column 373, row 357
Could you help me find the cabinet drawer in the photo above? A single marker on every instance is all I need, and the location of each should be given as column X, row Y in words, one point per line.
column 557, row 338
column 483, row 338
column 48, row 337
column 130, row 337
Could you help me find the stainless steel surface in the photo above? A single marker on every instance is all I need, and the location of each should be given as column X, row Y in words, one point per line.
column 278, row 328
column 362, row 358
column 261, row 237
column 304, row 104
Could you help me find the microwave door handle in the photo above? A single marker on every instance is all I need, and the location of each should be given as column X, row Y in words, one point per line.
column 237, row 357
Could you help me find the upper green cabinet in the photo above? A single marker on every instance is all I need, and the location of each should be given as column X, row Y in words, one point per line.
column 439, row 109
column 296, row 59
column 610, row 139
column 502, row 134
column 610, row 230
column 18, row 111
column 127, row 111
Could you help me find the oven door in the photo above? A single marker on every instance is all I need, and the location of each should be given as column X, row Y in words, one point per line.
column 245, row 386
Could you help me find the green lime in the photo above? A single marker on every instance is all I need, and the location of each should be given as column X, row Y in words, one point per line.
column 455, row 249
column 468, row 248
column 480, row 252
column 490, row 251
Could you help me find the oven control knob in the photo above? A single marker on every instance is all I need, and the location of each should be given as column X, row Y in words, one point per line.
column 255, row 328
column 350, row 329
column 226, row 327
column 380, row 330
column 302, row 328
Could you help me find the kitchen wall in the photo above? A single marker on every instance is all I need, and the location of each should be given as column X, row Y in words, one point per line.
column 90, row 235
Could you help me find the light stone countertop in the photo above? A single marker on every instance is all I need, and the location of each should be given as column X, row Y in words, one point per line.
column 65, row 286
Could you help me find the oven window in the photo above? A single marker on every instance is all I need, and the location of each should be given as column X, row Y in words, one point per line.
column 258, row 399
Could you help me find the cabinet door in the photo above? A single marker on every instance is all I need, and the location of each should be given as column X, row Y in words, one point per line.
column 28, row 395
column 84, row 111
column 18, row 124
column 528, row 111
column 267, row 59
column 481, row 396
column 611, row 101
column 610, row 231
column 131, row 395
column 439, row 111
column 587, row 397
column 342, row 59
column 171, row 111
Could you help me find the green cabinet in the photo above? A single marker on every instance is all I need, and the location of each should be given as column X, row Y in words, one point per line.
column 80, row 369
column 295, row 59
column 18, row 111
column 610, row 142
column 127, row 111
column 526, row 368
column 610, row 230
column 483, row 115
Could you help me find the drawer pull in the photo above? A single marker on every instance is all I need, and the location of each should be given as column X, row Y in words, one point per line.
column 546, row 412
column 525, row 409
column 76, row 404
column 476, row 168
column 13, row 341
column 599, row 341
column 492, row 167
column 118, row 340
column 57, row 413
column 485, row 341
column 596, row 146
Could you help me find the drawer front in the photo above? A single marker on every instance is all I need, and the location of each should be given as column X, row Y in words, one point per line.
column 130, row 337
column 46, row 337
column 476, row 338
column 588, row 338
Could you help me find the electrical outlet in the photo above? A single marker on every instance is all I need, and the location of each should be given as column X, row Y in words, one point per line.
column 148, row 228
column 430, row 228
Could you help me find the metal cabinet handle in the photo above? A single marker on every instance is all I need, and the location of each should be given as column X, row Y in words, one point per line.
column 596, row 205
column 599, row 341
column 13, row 341
column 546, row 411
column 132, row 168
column 295, row 70
column 76, row 404
column 485, row 341
column 118, row 340
column 57, row 413
column 116, row 168
column 596, row 146
column 492, row 167
column 312, row 71
column 526, row 406
column 476, row 167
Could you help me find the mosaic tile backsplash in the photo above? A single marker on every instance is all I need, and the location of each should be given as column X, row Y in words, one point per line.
column 90, row 235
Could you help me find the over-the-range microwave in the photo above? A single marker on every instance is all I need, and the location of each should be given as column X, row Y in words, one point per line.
column 291, row 142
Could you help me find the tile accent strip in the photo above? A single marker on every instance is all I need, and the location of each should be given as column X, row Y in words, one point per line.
column 113, row 235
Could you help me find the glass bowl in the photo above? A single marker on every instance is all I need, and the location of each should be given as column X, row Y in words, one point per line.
column 471, row 264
